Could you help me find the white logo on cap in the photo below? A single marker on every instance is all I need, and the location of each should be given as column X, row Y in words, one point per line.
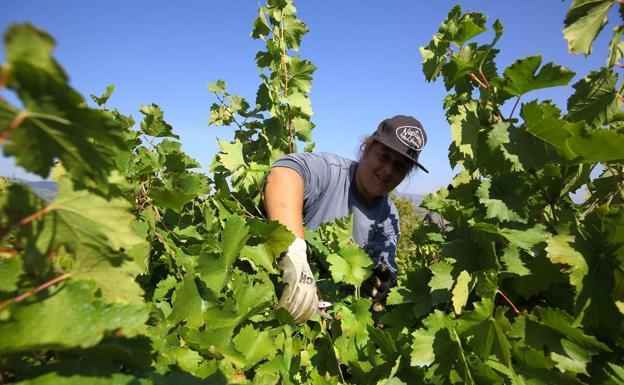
column 412, row 137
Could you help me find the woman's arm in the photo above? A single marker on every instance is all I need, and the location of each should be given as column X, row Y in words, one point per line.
column 283, row 198
column 283, row 201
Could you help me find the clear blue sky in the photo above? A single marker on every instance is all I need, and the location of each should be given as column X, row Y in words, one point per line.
column 166, row 52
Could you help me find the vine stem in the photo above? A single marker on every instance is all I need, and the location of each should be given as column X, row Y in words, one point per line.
column 33, row 216
column 476, row 79
column 4, row 75
column 508, row 301
column 26, row 220
column 36, row 290
column 514, row 108
column 335, row 351
column 222, row 101
column 291, row 139
column 15, row 123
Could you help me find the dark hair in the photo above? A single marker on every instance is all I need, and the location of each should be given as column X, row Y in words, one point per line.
column 365, row 145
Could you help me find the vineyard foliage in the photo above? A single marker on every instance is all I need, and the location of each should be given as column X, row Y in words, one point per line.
column 143, row 270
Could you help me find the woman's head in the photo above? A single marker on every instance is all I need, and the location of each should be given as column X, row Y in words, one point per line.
column 405, row 135
column 380, row 170
column 387, row 156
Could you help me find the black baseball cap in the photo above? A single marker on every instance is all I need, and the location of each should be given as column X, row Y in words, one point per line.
column 405, row 135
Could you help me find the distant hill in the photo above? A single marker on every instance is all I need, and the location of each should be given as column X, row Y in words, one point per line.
column 48, row 189
column 45, row 189
column 416, row 198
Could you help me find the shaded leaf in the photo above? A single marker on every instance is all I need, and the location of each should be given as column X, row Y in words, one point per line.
column 74, row 317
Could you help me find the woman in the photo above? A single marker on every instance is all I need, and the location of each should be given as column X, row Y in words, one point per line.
column 310, row 189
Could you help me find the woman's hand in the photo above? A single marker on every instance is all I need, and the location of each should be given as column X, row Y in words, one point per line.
column 299, row 296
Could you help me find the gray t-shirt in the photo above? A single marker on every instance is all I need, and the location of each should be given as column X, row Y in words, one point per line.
column 330, row 194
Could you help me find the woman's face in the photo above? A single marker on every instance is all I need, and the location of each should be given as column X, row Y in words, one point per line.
column 381, row 169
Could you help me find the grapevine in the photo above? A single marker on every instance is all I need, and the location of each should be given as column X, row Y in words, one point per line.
column 144, row 270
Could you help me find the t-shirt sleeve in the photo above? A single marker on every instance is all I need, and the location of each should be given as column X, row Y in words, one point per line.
column 313, row 168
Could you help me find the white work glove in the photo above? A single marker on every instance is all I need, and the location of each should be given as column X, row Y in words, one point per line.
column 299, row 296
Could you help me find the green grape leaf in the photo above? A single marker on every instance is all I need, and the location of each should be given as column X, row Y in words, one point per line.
column 542, row 120
column 215, row 272
column 615, row 374
column 153, row 122
column 459, row 28
column 570, row 348
column 543, row 274
column 230, row 157
column 217, row 87
column 513, row 262
column 301, row 101
column 522, row 76
column 489, row 337
column 25, row 43
column 442, row 278
column 77, row 218
column 598, row 146
column 584, row 20
column 351, row 265
column 187, row 304
column 273, row 239
column 10, row 271
column 237, row 104
column 173, row 199
column 422, row 348
column 559, row 250
column 259, row 255
column 355, row 321
column 498, row 139
column 74, row 317
column 434, row 57
column 384, row 340
column 300, row 72
column 303, row 129
column 616, row 47
column 260, row 27
column 216, row 341
column 254, row 345
column 54, row 378
column 461, row 291
column 495, row 208
column 113, row 277
column 525, row 238
column 465, row 127
column 187, row 359
column 101, row 100
column 596, row 99
column 293, row 30
column 56, row 125
column 249, row 297
column 275, row 236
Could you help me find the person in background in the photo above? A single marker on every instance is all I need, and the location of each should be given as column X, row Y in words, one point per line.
column 435, row 218
column 309, row 189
